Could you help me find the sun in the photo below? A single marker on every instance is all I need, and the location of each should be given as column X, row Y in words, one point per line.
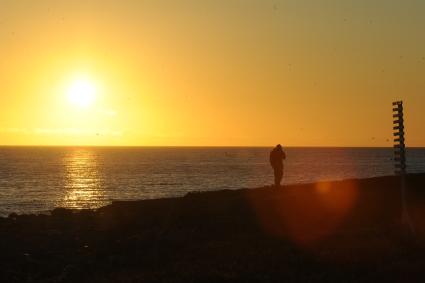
column 82, row 93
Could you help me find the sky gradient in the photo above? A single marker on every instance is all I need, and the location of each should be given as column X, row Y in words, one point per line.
column 211, row 73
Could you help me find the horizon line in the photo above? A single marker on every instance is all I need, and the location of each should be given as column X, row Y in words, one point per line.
column 204, row 146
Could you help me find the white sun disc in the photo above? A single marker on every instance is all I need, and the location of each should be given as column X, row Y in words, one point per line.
column 82, row 93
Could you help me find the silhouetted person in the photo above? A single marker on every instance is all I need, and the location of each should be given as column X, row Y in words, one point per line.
column 277, row 155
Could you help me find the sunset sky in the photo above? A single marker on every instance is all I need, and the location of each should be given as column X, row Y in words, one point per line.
column 210, row 73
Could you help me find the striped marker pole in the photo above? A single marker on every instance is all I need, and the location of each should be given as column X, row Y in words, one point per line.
column 400, row 158
column 399, row 146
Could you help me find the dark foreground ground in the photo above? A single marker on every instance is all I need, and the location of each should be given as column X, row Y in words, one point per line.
column 346, row 231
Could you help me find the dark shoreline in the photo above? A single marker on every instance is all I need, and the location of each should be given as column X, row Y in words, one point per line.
column 348, row 230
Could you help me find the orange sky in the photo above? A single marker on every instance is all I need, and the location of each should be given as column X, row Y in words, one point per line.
column 245, row 73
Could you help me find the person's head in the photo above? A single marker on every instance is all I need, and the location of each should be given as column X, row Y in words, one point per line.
column 279, row 147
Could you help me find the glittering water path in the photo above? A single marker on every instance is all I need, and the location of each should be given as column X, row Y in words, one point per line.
column 37, row 179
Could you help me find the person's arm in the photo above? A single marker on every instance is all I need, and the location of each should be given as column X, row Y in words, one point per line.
column 283, row 155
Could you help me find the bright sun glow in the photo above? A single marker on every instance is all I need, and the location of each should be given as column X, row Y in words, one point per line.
column 82, row 93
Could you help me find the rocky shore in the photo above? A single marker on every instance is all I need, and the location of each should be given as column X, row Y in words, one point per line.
column 349, row 231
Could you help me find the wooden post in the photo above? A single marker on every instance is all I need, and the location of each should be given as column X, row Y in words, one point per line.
column 399, row 146
column 400, row 159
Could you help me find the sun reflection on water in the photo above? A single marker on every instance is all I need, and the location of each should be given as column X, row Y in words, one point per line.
column 83, row 182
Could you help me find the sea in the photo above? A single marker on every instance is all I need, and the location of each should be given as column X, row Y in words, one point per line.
column 39, row 179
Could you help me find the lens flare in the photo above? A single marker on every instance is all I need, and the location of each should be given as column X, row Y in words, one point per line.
column 306, row 215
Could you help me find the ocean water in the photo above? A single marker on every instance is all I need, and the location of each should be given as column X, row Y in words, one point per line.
column 38, row 179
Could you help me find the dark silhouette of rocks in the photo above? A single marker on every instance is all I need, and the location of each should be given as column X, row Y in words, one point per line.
column 247, row 235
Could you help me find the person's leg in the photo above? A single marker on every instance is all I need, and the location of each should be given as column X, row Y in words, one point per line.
column 278, row 174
